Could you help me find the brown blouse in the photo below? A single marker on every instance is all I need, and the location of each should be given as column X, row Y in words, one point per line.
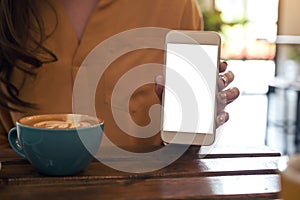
column 52, row 88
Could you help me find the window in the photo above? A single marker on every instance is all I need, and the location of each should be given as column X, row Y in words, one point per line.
column 248, row 29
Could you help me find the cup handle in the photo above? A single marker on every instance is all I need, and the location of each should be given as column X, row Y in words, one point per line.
column 15, row 143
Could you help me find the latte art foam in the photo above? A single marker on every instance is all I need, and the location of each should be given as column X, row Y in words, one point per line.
column 55, row 124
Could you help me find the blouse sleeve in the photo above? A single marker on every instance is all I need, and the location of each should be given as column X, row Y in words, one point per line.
column 192, row 16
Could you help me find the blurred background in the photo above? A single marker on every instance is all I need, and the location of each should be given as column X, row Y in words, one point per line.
column 260, row 42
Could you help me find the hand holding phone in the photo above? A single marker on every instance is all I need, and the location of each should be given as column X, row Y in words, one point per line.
column 189, row 98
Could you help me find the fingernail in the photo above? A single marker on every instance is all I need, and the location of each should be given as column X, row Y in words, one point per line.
column 158, row 80
column 220, row 119
column 223, row 97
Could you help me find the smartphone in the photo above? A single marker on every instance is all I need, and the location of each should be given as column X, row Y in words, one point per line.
column 189, row 98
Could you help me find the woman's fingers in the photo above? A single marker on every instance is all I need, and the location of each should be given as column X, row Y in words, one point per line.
column 222, row 67
column 225, row 79
column 224, row 98
column 227, row 96
column 159, row 86
column 232, row 94
column 222, row 118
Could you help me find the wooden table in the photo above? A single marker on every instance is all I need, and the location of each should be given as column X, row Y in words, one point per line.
column 226, row 173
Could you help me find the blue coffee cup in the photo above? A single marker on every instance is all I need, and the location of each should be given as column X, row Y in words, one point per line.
column 57, row 150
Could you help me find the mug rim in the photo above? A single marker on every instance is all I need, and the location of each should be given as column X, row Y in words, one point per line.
column 19, row 123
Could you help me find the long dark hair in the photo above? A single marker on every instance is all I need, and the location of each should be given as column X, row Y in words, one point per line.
column 21, row 46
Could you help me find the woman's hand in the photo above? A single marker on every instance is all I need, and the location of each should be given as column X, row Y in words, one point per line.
column 224, row 97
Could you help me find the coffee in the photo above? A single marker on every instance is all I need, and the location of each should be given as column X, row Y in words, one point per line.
column 60, row 121
column 57, row 144
column 61, row 124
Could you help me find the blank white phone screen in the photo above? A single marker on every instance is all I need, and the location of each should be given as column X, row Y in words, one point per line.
column 190, row 85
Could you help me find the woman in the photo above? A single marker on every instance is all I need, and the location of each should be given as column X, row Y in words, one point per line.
column 43, row 44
